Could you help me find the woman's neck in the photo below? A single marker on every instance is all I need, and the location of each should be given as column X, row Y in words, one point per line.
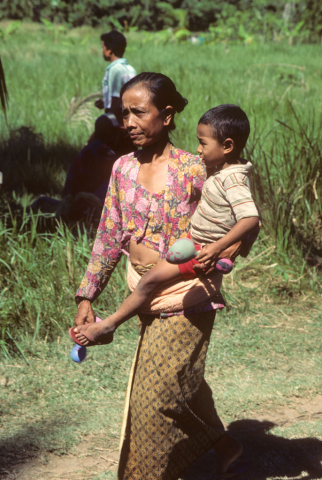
column 157, row 152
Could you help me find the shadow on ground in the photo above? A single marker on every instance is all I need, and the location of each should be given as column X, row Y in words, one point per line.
column 19, row 448
column 270, row 456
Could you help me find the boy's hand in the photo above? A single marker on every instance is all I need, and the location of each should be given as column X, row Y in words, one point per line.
column 99, row 103
column 209, row 254
column 207, row 257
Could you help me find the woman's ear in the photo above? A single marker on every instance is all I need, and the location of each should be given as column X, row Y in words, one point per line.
column 168, row 113
column 229, row 145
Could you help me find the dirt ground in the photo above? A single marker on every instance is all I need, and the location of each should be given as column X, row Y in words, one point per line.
column 275, row 457
column 86, row 463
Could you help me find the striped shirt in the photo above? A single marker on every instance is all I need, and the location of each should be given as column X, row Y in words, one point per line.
column 226, row 198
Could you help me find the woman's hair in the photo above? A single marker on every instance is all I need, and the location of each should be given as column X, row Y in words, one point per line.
column 162, row 89
column 228, row 121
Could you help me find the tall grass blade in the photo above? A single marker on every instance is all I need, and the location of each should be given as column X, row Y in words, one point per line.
column 18, row 347
column 4, row 95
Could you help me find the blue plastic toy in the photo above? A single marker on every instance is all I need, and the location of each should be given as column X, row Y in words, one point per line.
column 78, row 353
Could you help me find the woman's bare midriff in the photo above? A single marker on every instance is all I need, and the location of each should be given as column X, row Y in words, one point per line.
column 141, row 255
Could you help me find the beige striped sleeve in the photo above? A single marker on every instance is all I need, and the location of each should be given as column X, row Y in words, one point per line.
column 237, row 186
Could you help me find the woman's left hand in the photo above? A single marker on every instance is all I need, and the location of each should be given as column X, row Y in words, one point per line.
column 85, row 313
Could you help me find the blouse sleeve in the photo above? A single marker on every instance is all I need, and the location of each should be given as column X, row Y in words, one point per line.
column 107, row 247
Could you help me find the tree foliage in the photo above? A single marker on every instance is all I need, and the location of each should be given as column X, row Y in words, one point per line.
column 269, row 18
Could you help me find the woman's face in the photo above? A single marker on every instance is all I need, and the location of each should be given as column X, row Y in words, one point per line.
column 145, row 123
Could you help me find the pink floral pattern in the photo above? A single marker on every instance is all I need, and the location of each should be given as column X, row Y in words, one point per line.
column 132, row 212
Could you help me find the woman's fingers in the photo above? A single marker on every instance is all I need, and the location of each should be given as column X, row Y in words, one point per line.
column 85, row 314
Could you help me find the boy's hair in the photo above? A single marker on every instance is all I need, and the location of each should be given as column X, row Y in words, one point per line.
column 104, row 129
column 228, row 121
column 115, row 41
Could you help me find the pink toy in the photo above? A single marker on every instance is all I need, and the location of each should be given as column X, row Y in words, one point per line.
column 224, row 265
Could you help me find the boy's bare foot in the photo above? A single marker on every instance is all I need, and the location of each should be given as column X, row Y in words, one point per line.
column 98, row 333
column 227, row 449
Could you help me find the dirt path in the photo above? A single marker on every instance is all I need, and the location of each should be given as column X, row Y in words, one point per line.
column 86, row 463
column 89, row 461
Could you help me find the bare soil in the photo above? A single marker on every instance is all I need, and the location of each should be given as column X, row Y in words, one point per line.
column 270, row 456
column 86, row 462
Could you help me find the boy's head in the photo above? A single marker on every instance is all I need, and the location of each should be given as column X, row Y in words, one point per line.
column 104, row 130
column 113, row 42
column 222, row 132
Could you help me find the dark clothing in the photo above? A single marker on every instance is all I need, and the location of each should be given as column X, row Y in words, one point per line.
column 91, row 170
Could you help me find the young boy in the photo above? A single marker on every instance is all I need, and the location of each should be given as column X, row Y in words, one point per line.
column 116, row 75
column 226, row 214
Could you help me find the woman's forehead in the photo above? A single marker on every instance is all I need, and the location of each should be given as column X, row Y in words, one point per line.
column 137, row 95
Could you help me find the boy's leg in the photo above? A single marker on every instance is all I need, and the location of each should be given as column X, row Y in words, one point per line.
column 160, row 274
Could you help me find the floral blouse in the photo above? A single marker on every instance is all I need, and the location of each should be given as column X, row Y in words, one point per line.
column 131, row 212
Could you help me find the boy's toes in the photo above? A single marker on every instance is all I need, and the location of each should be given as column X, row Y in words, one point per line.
column 81, row 338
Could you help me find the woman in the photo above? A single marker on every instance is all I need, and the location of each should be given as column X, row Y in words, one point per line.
column 152, row 195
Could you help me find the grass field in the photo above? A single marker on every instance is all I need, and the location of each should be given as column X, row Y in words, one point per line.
column 264, row 361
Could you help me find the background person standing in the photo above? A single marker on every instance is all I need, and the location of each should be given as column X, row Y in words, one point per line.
column 116, row 74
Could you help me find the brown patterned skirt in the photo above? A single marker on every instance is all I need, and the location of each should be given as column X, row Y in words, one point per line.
column 172, row 419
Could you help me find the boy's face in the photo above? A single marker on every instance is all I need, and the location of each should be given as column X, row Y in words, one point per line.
column 106, row 52
column 210, row 150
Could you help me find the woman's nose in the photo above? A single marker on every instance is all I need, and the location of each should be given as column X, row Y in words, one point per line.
column 130, row 121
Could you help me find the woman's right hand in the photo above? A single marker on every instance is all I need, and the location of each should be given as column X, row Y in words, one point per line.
column 85, row 313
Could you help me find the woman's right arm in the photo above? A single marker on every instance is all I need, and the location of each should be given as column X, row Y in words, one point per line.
column 105, row 254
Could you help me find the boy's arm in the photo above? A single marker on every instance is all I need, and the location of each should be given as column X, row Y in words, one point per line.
column 209, row 254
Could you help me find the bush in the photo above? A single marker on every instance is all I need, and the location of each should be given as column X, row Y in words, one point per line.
column 269, row 19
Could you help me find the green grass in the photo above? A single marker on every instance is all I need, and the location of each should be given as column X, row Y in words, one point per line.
column 276, row 84
column 264, row 358
column 40, row 276
column 259, row 366
column 43, row 76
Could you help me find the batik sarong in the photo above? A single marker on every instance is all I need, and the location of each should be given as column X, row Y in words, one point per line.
column 172, row 419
